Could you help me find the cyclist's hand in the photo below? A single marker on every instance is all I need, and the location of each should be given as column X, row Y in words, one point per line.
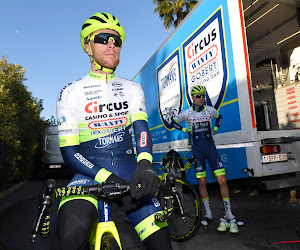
column 126, row 203
column 144, row 180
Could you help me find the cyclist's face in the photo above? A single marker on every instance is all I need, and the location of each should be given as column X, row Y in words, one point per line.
column 198, row 99
column 107, row 55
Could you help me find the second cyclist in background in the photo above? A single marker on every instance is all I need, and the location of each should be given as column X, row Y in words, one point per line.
column 198, row 118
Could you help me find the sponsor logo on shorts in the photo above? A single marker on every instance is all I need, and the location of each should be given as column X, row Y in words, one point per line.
column 155, row 202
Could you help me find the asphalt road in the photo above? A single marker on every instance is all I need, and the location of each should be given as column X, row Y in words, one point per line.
column 270, row 217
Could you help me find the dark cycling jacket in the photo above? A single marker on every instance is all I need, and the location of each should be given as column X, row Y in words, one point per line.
column 96, row 115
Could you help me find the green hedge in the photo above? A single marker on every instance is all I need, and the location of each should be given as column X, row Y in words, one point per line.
column 21, row 128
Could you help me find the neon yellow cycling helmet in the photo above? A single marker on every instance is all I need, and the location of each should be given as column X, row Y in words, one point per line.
column 198, row 89
column 100, row 21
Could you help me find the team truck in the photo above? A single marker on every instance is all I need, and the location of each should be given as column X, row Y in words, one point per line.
column 246, row 54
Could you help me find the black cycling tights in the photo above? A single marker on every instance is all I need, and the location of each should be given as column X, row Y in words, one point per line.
column 159, row 240
column 75, row 221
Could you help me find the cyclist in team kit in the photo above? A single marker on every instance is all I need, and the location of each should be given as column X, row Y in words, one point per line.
column 97, row 114
column 198, row 118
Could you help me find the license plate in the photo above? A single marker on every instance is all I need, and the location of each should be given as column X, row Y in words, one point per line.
column 274, row 158
column 55, row 166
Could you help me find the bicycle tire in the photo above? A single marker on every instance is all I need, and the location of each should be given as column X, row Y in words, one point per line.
column 190, row 199
column 108, row 242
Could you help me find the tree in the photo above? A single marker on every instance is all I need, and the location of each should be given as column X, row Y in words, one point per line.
column 172, row 12
column 21, row 126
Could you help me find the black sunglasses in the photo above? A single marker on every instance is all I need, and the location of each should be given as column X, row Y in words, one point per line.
column 200, row 96
column 104, row 38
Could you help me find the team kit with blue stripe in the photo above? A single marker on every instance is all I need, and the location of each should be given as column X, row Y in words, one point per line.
column 98, row 116
column 200, row 130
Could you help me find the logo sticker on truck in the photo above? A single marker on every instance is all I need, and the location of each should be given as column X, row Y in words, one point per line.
column 205, row 61
column 169, row 89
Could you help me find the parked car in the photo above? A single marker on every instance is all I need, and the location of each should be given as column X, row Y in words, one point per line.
column 53, row 163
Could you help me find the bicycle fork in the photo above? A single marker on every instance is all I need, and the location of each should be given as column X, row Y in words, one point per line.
column 105, row 226
column 177, row 199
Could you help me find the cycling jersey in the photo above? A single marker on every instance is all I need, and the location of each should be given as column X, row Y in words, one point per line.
column 198, row 122
column 96, row 115
column 198, row 119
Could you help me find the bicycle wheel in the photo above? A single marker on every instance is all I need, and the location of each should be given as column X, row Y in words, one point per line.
column 183, row 229
column 108, row 242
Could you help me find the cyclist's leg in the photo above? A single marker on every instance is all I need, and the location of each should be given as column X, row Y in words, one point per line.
column 154, row 235
column 219, row 171
column 158, row 240
column 224, row 190
column 200, row 171
column 76, row 218
column 201, row 176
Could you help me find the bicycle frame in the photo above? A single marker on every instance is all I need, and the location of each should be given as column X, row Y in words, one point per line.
column 169, row 179
column 105, row 226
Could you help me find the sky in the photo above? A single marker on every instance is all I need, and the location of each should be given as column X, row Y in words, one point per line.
column 44, row 38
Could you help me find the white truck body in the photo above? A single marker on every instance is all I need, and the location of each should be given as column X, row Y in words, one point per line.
column 210, row 48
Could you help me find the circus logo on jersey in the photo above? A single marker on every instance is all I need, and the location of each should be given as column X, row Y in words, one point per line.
column 169, row 89
column 205, row 62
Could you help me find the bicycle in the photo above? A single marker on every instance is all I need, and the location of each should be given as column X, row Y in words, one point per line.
column 177, row 198
column 105, row 235
column 185, row 216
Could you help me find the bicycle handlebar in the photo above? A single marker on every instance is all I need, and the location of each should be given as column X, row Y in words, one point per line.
column 189, row 159
column 105, row 190
column 175, row 157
